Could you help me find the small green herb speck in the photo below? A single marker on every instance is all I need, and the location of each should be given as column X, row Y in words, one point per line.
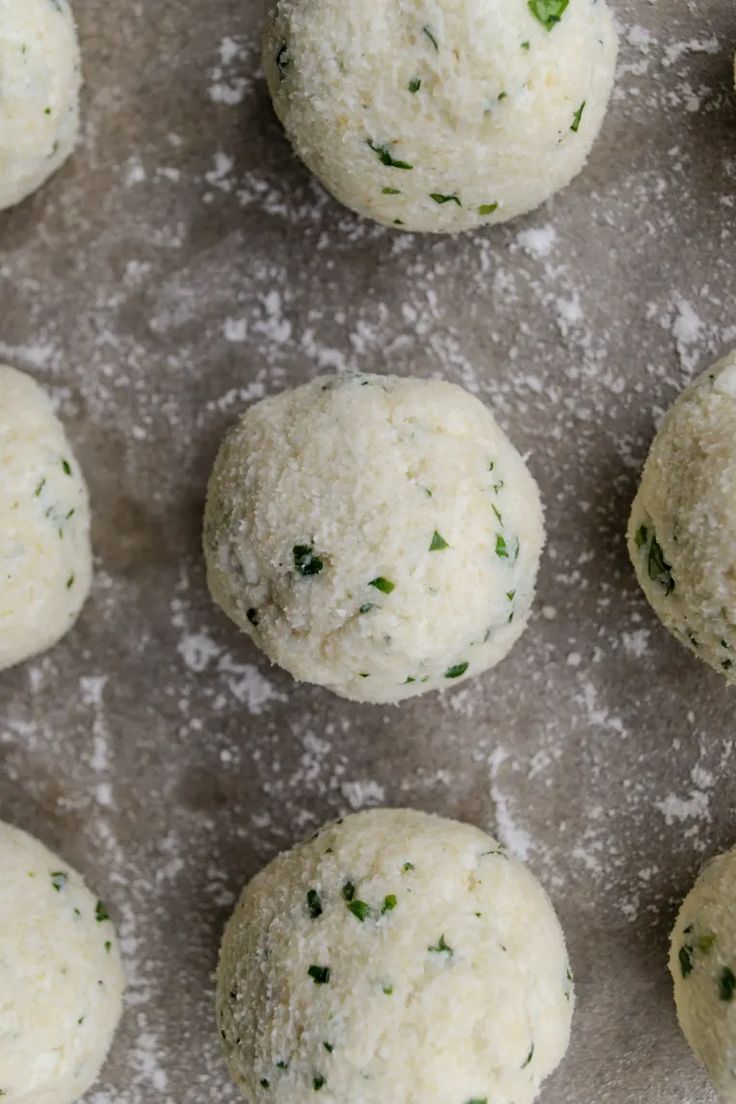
column 529, row 1057
column 265, row 1084
column 488, row 209
column 314, row 904
column 389, row 903
column 320, row 975
column 328, row 1047
column 439, row 197
column 252, row 616
column 382, row 584
column 686, row 960
column 415, row 84
column 66, row 466
column 360, row 910
column 577, row 117
column 407, row 867
column 642, row 536
column 367, row 607
column 59, row 880
column 385, row 157
column 441, row 947
column 305, row 561
column 548, row 12
column 438, row 542
column 428, row 32
column 348, row 891
column 501, row 549
column 391, row 191
column 658, row 568
column 318, row 1082
column 726, row 984
column 456, row 671
column 388, row 990
column 705, row 943
column 70, row 582
column 108, row 946
column 40, row 487
column 282, row 60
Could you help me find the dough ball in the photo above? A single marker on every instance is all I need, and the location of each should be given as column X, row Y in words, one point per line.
column 376, row 535
column 395, row 957
column 45, row 553
column 60, row 976
column 682, row 532
column 436, row 115
column 703, row 968
column 40, row 80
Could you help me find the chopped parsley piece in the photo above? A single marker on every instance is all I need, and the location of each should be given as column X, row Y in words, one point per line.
column 727, row 664
column 726, row 984
column 456, row 671
column 488, row 209
column 265, row 1083
column 59, row 880
column 40, row 487
column 367, row 607
column 348, row 891
column 431, row 37
column 407, row 867
column 384, row 156
column 659, row 570
column 501, row 96
column 478, row 1100
column 282, row 60
column 525, row 45
column 501, row 550
column 318, row 1082
column 101, row 913
column 382, row 584
column 497, row 512
column 388, row 990
column 305, row 561
column 360, row 910
column 548, row 12
column 281, row 1064
column 320, row 975
column 391, row 191
column 409, row 679
column 686, row 960
column 438, row 542
column 66, row 467
column 252, row 616
column 438, row 197
column 314, row 904
column 415, row 84
column 389, row 903
column 577, row 117
column 510, row 594
column 70, row 582
column 442, row 947
column 705, row 943
column 328, row 1047
column 108, row 945
column 529, row 1057
column 642, row 536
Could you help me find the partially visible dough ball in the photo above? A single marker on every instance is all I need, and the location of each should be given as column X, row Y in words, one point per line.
column 40, row 79
column 682, row 531
column 703, row 968
column 374, row 534
column 436, row 115
column 395, row 957
column 60, row 976
column 45, row 551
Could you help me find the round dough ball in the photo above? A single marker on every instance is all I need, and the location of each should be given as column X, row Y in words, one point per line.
column 40, row 79
column 45, row 552
column 60, row 976
column 376, row 535
column 395, row 957
column 682, row 531
column 436, row 115
column 703, row 968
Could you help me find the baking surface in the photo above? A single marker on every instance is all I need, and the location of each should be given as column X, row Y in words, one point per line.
column 184, row 264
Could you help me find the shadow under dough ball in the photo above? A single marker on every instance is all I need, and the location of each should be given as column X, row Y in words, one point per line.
column 376, row 535
column 444, row 116
column 395, row 957
column 682, row 531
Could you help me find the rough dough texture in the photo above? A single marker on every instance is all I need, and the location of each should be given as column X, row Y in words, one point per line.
column 376, row 535
column 60, row 976
column 395, row 957
column 682, row 531
column 441, row 115
column 40, row 79
column 45, row 553
column 703, row 968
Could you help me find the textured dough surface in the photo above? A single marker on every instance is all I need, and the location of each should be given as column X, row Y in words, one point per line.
column 45, row 552
column 682, row 531
column 703, row 968
column 40, row 78
column 486, row 109
column 374, row 534
column 448, row 975
column 61, row 981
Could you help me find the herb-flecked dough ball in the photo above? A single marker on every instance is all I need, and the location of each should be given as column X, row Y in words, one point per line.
column 60, row 976
column 441, row 115
column 45, row 551
column 40, row 80
column 703, row 968
column 682, row 531
column 376, row 535
column 395, row 957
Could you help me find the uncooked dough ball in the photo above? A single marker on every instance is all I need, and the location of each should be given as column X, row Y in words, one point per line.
column 395, row 957
column 682, row 532
column 45, row 552
column 60, row 976
column 376, row 535
column 440, row 115
column 39, row 93
column 703, row 968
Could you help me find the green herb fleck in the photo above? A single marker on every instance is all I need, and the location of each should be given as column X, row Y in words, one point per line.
column 501, row 549
column 388, row 990
column 108, row 946
column 577, row 117
column 391, row 191
column 305, row 561
column 348, row 891
column 705, row 943
column 548, row 12
column 478, row 1100
column 428, row 32
column 265, row 1084
column 529, row 1057
column 456, row 671
column 282, row 60
column 281, row 1064
column 442, row 947
column 40, row 487
column 488, row 209
column 642, row 536
column 320, row 975
column 438, row 542
column 70, row 582
column 101, row 913
column 525, row 45
column 407, row 867
column 415, row 84
column 318, row 1082
column 367, row 607
column 360, row 910
column 252, row 616
column 382, row 584
column 502, row 96
column 389, row 903
column 686, row 960
column 328, row 1047
column 385, row 157
column 659, row 570
column 438, row 197
column 726, row 984
column 497, row 512
column 314, row 904
column 59, row 880
column 408, row 680
column 66, row 466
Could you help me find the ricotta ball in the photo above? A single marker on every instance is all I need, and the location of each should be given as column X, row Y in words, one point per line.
column 441, row 115
column 376, row 535
column 45, row 552
column 395, row 957
column 703, row 968
column 40, row 79
column 60, row 976
column 682, row 531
